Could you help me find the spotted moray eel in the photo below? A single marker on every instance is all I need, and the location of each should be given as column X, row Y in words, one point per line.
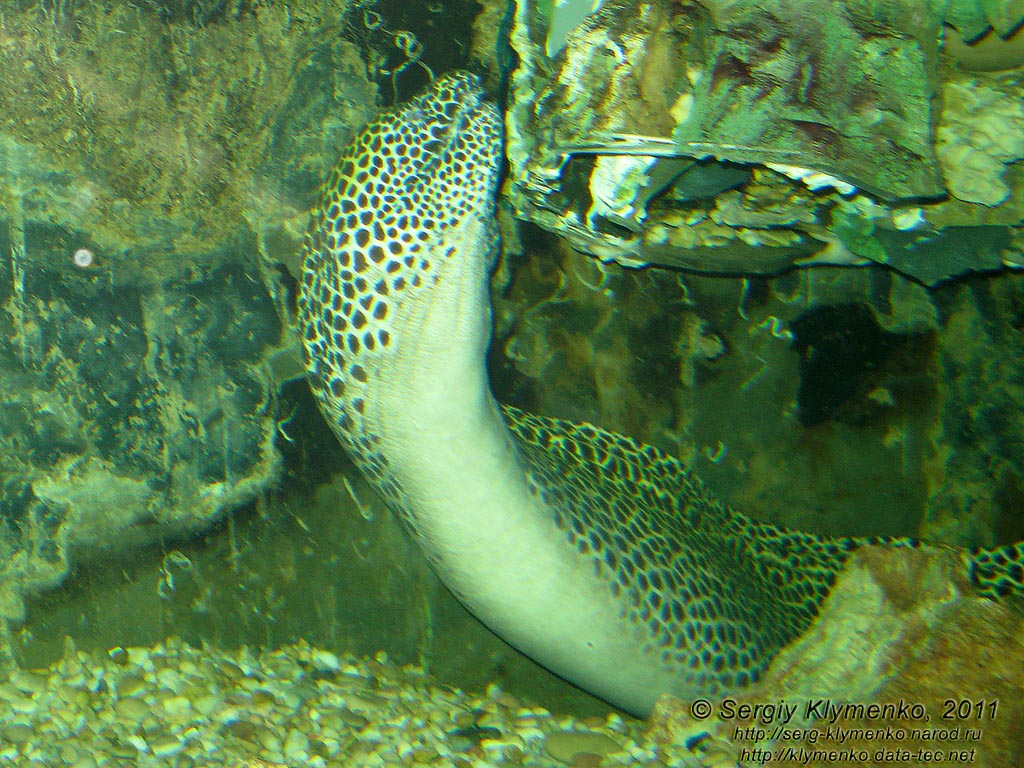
column 600, row 557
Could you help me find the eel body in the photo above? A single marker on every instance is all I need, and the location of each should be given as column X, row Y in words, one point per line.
column 604, row 559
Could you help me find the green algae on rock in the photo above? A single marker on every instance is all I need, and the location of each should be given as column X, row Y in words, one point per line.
column 169, row 140
column 837, row 108
column 178, row 146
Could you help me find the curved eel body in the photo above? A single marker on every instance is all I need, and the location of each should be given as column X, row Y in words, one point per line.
column 602, row 558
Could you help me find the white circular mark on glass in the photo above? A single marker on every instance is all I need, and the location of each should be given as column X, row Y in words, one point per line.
column 84, row 258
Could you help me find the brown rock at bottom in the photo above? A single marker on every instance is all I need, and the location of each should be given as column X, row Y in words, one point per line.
column 952, row 658
column 927, row 666
column 970, row 684
column 580, row 748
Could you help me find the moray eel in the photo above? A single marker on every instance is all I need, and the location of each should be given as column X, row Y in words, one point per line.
column 604, row 559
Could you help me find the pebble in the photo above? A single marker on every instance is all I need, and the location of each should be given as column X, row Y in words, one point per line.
column 566, row 745
column 130, row 685
column 132, row 709
column 585, row 760
column 175, row 706
column 18, row 733
column 29, row 682
column 166, row 745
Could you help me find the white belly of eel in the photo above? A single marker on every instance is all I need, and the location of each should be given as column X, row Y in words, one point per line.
column 601, row 558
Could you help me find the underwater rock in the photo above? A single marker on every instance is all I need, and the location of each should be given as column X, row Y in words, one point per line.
column 748, row 82
column 842, row 349
column 904, row 626
column 130, row 417
column 974, row 490
column 751, row 137
column 982, row 131
column 162, row 143
column 156, row 164
column 901, row 628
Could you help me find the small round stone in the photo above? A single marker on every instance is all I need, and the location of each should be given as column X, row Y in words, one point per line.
column 586, row 760
column 18, row 733
column 166, row 745
column 424, row 755
column 565, row 745
column 464, row 719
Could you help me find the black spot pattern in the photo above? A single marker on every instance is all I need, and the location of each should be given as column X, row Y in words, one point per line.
column 998, row 572
column 416, row 173
column 718, row 593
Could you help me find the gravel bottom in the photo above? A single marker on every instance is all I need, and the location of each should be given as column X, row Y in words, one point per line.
column 183, row 707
